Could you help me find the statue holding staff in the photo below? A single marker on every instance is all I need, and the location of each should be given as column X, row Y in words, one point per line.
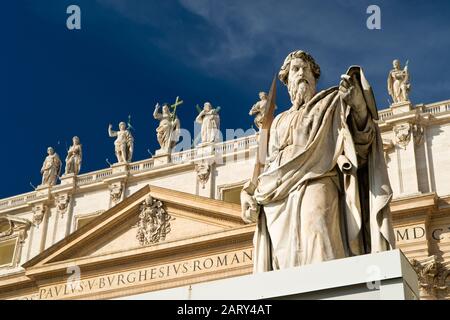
column 167, row 132
column 398, row 82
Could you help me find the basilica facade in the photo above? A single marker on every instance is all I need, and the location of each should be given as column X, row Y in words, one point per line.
column 175, row 219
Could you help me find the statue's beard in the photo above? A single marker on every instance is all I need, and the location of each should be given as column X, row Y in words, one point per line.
column 300, row 92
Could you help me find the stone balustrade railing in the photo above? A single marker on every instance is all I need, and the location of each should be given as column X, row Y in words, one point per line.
column 17, row 200
column 384, row 114
column 186, row 156
column 432, row 108
column 92, row 177
column 437, row 107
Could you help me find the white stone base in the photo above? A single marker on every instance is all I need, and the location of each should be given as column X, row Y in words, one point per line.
column 161, row 157
column 401, row 107
column 381, row 276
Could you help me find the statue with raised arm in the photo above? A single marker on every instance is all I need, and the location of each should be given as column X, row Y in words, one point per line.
column 210, row 121
column 51, row 168
column 259, row 109
column 324, row 192
column 74, row 157
column 124, row 143
column 167, row 132
column 398, row 82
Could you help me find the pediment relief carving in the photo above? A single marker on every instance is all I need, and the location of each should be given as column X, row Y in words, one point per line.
column 151, row 217
column 154, row 222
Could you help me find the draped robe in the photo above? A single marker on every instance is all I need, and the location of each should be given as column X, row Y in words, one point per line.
column 167, row 131
column 324, row 193
column 210, row 122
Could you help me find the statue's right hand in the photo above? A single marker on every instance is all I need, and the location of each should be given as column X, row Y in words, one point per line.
column 249, row 206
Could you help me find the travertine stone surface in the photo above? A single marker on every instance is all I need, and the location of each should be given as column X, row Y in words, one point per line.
column 421, row 220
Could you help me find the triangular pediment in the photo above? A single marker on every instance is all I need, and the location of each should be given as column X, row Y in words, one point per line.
column 113, row 234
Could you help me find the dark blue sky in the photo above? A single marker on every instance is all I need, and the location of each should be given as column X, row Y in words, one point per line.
column 130, row 54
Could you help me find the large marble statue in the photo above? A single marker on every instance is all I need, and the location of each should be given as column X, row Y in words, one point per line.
column 124, row 143
column 259, row 109
column 398, row 82
column 51, row 168
column 210, row 121
column 74, row 157
column 167, row 132
column 324, row 192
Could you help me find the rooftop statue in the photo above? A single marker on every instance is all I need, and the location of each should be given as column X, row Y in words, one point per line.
column 124, row 143
column 398, row 82
column 210, row 120
column 74, row 157
column 51, row 168
column 167, row 132
column 259, row 109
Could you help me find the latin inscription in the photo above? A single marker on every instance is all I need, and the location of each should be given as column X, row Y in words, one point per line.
column 147, row 275
column 410, row 233
column 413, row 233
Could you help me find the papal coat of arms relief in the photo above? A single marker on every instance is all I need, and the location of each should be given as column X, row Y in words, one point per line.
column 153, row 224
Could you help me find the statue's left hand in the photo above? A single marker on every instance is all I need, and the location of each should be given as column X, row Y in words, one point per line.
column 351, row 92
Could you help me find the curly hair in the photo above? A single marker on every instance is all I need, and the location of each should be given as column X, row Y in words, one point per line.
column 284, row 71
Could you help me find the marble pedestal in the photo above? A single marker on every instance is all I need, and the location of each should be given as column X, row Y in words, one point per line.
column 206, row 149
column 161, row 157
column 68, row 179
column 381, row 276
column 401, row 107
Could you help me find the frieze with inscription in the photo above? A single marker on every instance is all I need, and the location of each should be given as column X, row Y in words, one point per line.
column 145, row 276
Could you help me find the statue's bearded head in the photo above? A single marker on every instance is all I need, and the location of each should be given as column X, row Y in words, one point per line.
column 122, row 126
column 300, row 73
column 50, row 151
column 165, row 109
column 76, row 140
